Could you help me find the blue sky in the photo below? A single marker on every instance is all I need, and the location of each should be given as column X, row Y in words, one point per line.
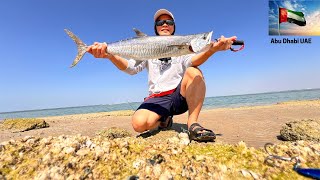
column 36, row 53
column 310, row 9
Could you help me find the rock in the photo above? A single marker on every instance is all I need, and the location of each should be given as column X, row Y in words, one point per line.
column 184, row 138
column 83, row 152
column 30, row 141
column 12, row 142
column 200, row 157
column 166, row 176
column 148, row 170
column 46, row 141
column 245, row 173
column 157, row 159
column 157, row 170
column 301, row 130
column 47, row 158
column 21, row 154
column 82, row 157
column 174, row 140
column 89, row 144
column 183, row 135
column 43, row 176
column 99, row 152
column 185, row 141
column 132, row 177
column 26, row 138
column 69, row 150
column 124, row 151
column 223, row 168
column 2, row 147
column 24, row 124
column 137, row 163
column 124, row 144
column 114, row 132
column 254, row 175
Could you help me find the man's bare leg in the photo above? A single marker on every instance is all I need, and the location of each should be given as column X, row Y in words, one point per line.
column 193, row 88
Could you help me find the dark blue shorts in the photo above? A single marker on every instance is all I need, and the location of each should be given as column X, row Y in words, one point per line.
column 169, row 105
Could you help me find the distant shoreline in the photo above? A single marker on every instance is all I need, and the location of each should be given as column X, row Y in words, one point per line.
column 232, row 101
column 56, row 108
column 125, row 110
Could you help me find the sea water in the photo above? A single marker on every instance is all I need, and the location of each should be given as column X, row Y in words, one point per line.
column 209, row 103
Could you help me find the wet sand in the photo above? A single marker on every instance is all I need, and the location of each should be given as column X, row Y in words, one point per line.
column 255, row 125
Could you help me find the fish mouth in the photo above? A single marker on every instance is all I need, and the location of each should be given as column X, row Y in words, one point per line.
column 208, row 37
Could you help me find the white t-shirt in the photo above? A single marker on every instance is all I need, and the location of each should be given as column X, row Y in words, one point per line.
column 162, row 76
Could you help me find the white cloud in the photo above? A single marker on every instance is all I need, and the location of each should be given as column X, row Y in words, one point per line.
column 273, row 23
column 273, row 17
column 273, row 31
column 294, row 5
column 313, row 20
column 288, row 5
column 271, row 11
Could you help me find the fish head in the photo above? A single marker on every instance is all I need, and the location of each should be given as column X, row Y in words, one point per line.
column 201, row 41
column 207, row 36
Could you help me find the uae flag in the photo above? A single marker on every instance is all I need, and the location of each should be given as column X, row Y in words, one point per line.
column 286, row 15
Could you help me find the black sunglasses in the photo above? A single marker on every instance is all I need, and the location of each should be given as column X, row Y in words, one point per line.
column 169, row 22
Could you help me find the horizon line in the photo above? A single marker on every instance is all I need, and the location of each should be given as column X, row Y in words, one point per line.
column 30, row 110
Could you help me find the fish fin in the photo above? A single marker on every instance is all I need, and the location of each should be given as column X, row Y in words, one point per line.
column 139, row 33
column 180, row 46
column 82, row 47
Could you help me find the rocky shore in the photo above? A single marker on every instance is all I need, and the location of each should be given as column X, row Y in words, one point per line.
column 162, row 155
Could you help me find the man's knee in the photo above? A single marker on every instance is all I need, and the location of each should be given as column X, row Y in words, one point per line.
column 139, row 123
column 194, row 72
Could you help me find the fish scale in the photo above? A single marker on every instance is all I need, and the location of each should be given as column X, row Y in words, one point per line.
column 141, row 49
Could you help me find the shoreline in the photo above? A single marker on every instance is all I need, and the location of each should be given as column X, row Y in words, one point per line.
column 71, row 110
column 112, row 112
column 255, row 125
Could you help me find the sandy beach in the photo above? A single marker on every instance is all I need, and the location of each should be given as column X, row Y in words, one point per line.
column 255, row 125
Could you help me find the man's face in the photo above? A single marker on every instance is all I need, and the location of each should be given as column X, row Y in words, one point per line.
column 165, row 29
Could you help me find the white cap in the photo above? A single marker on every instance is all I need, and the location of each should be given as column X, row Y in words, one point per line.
column 161, row 12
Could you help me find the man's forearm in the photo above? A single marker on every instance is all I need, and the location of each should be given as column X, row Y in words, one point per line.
column 119, row 62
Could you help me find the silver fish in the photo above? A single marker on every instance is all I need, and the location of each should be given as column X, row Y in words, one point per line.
column 145, row 47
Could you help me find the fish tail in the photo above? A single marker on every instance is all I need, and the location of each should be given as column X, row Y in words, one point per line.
column 82, row 47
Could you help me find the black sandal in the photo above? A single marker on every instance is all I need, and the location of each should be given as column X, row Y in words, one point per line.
column 169, row 124
column 196, row 134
